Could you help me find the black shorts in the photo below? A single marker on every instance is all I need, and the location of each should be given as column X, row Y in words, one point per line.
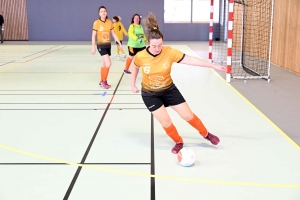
column 169, row 97
column 104, row 51
column 133, row 51
column 120, row 41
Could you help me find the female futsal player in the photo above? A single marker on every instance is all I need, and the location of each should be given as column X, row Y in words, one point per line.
column 136, row 40
column 102, row 28
column 158, row 89
column 119, row 30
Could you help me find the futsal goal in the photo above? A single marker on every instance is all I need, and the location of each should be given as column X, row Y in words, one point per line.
column 241, row 37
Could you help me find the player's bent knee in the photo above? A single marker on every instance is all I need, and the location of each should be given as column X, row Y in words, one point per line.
column 166, row 123
column 187, row 116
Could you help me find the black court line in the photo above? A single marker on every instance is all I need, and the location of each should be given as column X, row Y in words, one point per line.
column 7, row 63
column 70, row 188
column 76, row 163
column 41, row 51
column 152, row 161
column 44, row 54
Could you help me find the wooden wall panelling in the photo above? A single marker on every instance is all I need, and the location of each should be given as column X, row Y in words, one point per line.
column 15, row 19
column 286, row 35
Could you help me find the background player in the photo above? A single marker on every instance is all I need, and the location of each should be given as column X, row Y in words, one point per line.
column 102, row 28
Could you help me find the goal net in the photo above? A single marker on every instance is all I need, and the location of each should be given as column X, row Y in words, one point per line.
column 242, row 38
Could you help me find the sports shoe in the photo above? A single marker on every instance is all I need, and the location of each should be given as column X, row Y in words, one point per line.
column 117, row 55
column 105, row 85
column 127, row 71
column 178, row 146
column 212, row 138
column 124, row 56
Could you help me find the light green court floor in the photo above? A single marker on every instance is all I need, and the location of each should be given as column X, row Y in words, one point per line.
column 64, row 137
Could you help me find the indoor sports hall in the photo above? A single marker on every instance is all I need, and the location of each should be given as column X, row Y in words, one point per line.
column 62, row 136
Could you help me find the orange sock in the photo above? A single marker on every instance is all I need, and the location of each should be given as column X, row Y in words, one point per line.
column 197, row 124
column 172, row 132
column 101, row 74
column 104, row 72
column 128, row 62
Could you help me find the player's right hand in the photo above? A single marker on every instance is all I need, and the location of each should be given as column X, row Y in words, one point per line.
column 93, row 51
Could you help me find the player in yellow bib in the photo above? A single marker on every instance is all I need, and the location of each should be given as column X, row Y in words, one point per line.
column 119, row 30
column 102, row 28
column 158, row 89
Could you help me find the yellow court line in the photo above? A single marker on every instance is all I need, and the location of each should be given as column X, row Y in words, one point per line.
column 254, row 107
column 149, row 175
column 257, row 110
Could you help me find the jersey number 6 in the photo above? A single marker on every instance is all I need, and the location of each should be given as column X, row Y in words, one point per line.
column 147, row 69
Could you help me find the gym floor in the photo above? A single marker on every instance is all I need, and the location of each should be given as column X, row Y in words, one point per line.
column 64, row 137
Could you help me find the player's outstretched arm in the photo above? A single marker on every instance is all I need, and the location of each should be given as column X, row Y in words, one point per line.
column 189, row 60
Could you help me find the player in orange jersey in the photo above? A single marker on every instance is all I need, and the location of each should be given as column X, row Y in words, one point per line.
column 102, row 28
column 158, row 89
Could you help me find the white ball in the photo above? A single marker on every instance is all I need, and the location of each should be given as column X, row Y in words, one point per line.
column 186, row 157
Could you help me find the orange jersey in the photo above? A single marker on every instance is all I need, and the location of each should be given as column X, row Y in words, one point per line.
column 103, row 32
column 156, row 69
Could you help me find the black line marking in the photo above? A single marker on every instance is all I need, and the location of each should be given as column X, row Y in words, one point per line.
column 41, row 51
column 89, row 147
column 76, row 163
column 7, row 63
column 44, row 54
column 152, row 160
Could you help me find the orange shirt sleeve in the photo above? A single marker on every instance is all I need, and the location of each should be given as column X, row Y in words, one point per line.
column 177, row 56
column 95, row 26
column 137, row 61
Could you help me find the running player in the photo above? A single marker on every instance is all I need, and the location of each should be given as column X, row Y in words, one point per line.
column 159, row 91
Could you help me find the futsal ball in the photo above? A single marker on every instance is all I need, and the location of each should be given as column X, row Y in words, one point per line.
column 186, row 157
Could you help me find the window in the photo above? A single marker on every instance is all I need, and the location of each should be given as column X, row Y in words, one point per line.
column 189, row 11
column 177, row 11
column 201, row 11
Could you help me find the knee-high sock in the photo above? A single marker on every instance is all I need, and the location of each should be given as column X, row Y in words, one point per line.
column 128, row 62
column 172, row 132
column 101, row 73
column 122, row 51
column 197, row 124
column 118, row 51
column 105, row 71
